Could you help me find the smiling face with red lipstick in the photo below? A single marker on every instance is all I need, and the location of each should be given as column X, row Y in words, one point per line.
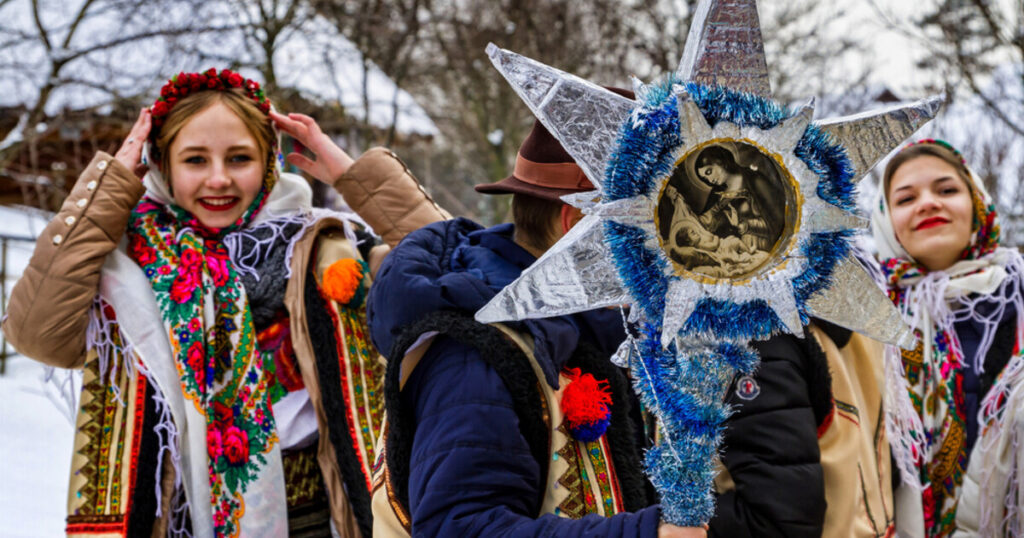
column 932, row 211
column 216, row 166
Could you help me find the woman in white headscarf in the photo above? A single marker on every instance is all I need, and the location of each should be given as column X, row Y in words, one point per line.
column 229, row 385
column 956, row 402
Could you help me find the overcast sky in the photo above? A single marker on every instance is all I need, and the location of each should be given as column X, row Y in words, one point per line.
column 883, row 25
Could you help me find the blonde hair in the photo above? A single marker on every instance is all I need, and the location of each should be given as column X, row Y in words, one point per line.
column 236, row 100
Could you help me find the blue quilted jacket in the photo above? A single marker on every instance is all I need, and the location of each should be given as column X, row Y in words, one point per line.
column 471, row 472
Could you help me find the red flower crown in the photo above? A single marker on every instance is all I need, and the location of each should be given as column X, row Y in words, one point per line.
column 184, row 84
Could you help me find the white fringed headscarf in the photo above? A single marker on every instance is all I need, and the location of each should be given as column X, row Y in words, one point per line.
column 932, row 302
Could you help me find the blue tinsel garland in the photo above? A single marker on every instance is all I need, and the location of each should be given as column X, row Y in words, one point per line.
column 646, row 153
column 686, row 387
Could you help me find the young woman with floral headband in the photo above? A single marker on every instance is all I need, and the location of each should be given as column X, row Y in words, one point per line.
column 228, row 386
column 956, row 402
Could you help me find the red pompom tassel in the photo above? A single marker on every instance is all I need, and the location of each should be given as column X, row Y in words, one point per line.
column 585, row 404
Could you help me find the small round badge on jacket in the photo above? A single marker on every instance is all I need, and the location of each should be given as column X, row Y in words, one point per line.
column 747, row 388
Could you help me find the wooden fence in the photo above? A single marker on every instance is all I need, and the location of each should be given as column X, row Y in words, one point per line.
column 5, row 244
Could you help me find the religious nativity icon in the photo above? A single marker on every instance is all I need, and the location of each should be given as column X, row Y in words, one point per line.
column 723, row 211
column 719, row 217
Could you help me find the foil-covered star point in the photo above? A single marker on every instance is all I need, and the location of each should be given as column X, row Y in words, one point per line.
column 595, row 116
column 718, row 215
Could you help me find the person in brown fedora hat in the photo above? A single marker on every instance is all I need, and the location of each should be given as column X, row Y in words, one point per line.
column 543, row 169
column 543, row 173
column 484, row 433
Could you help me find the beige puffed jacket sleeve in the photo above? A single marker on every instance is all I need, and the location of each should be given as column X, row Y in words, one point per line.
column 48, row 311
column 49, row 307
column 380, row 188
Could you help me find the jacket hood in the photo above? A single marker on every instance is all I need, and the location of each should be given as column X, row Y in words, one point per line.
column 458, row 265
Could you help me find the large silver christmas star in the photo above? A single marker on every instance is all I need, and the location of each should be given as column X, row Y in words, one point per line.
column 724, row 48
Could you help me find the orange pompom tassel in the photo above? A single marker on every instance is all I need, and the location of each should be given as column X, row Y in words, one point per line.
column 343, row 278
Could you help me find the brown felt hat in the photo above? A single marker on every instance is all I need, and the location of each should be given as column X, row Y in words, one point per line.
column 543, row 168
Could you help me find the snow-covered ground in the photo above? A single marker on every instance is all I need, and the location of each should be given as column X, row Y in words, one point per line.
column 35, row 453
column 36, row 433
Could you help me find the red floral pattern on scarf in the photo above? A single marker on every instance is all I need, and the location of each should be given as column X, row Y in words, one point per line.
column 222, row 370
column 935, row 385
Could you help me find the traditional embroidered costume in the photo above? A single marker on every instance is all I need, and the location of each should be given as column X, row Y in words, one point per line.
column 955, row 418
column 518, row 429
column 805, row 452
column 495, row 429
column 229, row 386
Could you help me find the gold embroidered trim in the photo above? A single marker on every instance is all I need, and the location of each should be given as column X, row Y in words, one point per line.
column 302, row 478
column 574, row 506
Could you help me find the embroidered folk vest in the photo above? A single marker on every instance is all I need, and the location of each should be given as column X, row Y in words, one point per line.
column 581, row 477
column 117, row 466
column 116, row 452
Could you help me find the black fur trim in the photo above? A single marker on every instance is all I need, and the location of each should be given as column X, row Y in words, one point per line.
column 265, row 288
column 621, row 434
column 143, row 507
column 365, row 241
column 322, row 336
column 499, row 353
column 819, row 379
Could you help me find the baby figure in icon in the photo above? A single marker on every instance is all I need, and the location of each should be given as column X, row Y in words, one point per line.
column 722, row 221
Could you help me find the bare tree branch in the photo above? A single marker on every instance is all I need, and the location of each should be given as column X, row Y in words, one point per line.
column 74, row 24
column 43, row 36
column 145, row 35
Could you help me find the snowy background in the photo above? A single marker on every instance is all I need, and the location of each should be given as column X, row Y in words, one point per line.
column 36, row 431
column 315, row 59
column 35, row 454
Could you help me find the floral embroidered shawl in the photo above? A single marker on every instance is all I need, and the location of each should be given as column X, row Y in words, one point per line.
column 224, row 376
column 932, row 453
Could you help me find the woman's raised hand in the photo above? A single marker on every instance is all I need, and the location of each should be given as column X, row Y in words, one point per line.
column 329, row 161
column 130, row 153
